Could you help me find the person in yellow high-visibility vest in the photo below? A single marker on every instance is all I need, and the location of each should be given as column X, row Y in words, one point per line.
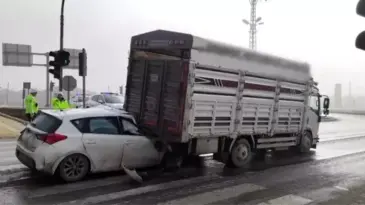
column 60, row 103
column 31, row 105
column 54, row 100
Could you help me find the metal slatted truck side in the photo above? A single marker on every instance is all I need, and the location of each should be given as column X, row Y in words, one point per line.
column 204, row 96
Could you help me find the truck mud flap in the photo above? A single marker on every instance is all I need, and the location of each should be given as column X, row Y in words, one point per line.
column 132, row 173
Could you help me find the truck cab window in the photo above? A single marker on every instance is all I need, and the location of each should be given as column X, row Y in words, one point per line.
column 314, row 103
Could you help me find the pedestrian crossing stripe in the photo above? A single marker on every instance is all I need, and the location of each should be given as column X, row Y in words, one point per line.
column 216, row 195
column 288, row 200
column 142, row 190
column 9, row 163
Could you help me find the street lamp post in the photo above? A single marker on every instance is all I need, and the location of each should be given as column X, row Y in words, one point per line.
column 253, row 23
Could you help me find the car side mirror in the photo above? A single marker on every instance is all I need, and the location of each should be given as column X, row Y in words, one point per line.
column 100, row 101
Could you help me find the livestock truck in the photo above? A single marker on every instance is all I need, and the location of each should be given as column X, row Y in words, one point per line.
column 204, row 96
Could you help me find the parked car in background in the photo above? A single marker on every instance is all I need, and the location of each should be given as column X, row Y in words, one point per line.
column 77, row 100
column 106, row 98
column 76, row 142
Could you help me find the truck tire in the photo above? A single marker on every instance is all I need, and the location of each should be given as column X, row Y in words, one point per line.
column 171, row 162
column 241, row 154
column 305, row 142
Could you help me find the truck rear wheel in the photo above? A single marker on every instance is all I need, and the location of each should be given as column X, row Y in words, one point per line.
column 241, row 154
column 305, row 142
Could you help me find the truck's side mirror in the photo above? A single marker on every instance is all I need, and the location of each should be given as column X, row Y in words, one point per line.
column 326, row 103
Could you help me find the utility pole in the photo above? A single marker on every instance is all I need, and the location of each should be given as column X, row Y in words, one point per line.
column 61, row 41
column 253, row 23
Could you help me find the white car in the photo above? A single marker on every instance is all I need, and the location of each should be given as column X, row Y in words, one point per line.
column 77, row 101
column 105, row 98
column 76, row 142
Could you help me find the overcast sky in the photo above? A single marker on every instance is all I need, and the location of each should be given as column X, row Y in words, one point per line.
column 321, row 32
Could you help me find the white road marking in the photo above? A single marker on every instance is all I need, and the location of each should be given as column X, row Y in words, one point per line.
column 9, row 159
column 69, row 188
column 288, row 200
column 141, row 190
column 216, row 195
column 341, row 188
column 6, row 142
column 14, row 167
column 336, row 153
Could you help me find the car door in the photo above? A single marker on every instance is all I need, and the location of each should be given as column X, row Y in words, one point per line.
column 102, row 140
column 138, row 151
column 101, row 99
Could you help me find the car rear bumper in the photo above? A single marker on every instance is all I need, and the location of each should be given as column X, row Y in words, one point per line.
column 36, row 160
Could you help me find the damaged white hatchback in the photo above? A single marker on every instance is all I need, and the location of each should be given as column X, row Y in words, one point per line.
column 76, row 142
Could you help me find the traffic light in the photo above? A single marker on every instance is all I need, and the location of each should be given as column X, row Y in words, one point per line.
column 360, row 39
column 83, row 63
column 61, row 58
column 56, row 72
column 64, row 57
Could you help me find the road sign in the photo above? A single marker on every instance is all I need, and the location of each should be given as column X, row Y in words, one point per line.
column 17, row 55
column 26, row 85
column 74, row 58
column 69, row 83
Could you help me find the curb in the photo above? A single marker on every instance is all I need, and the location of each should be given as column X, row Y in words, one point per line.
column 13, row 118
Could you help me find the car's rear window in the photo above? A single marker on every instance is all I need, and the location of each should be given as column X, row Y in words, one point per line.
column 46, row 123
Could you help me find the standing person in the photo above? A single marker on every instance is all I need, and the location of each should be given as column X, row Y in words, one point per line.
column 60, row 103
column 54, row 100
column 31, row 105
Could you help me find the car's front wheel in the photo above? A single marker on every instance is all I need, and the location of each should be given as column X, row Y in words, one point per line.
column 74, row 168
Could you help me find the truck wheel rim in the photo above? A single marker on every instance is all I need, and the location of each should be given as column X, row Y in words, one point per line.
column 242, row 152
column 74, row 167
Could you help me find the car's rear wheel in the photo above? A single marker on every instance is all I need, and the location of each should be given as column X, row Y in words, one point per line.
column 74, row 168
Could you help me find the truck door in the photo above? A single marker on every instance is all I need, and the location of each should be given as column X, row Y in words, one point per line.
column 313, row 115
column 156, row 92
column 153, row 87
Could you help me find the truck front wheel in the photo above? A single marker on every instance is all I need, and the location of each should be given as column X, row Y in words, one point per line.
column 241, row 154
column 305, row 142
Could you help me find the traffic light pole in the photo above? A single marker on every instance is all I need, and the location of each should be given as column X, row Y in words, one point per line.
column 47, row 82
column 61, row 41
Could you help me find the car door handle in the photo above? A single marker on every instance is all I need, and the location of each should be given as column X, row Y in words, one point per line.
column 90, row 141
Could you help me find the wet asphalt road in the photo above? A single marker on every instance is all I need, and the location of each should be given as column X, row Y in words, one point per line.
column 328, row 175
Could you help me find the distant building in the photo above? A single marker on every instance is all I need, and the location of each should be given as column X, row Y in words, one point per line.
column 338, row 96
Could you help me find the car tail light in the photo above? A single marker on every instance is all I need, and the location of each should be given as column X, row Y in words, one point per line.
column 52, row 138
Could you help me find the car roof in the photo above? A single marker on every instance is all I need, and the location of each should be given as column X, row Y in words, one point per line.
column 87, row 112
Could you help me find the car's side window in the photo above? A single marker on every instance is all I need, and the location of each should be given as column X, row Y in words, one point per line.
column 128, row 127
column 95, row 98
column 101, row 99
column 80, row 124
column 103, row 125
